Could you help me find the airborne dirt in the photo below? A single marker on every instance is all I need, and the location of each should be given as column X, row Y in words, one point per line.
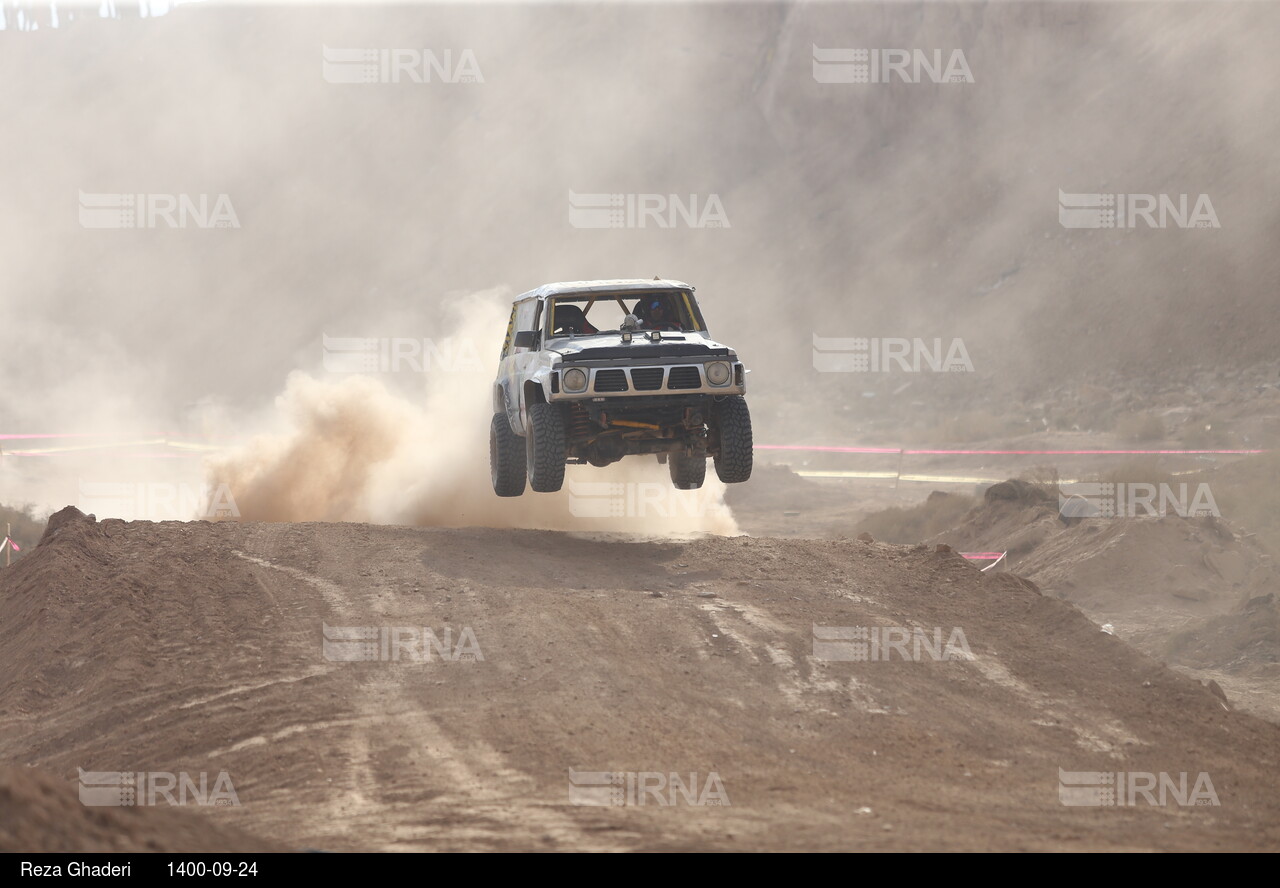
column 200, row 647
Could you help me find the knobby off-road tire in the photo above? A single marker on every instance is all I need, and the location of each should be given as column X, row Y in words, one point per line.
column 687, row 472
column 506, row 458
column 545, row 447
column 733, row 420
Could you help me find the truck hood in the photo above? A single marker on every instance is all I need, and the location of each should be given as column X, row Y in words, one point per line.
column 609, row 346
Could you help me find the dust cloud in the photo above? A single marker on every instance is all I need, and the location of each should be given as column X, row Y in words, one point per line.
column 353, row 449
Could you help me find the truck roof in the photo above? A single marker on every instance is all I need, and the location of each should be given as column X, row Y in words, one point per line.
column 611, row 286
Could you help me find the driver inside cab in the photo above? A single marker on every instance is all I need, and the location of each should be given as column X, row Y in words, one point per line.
column 656, row 313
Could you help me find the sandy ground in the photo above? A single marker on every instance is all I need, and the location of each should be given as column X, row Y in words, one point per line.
column 201, row 647
column 1198, row 594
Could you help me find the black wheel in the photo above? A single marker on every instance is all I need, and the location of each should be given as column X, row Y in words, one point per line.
column 687, row 472
column 733, row 422
column 544, row 447
column 506, row 458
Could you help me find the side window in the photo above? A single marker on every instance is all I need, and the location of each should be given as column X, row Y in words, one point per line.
column 524, row 315
column 511, row 332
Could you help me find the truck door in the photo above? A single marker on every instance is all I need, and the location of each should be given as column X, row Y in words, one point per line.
column 523, row 359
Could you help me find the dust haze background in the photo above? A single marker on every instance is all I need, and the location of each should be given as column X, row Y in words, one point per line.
column 908, row 210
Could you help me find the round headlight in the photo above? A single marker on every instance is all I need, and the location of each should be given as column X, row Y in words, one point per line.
column 575, row 380
column 717, row 373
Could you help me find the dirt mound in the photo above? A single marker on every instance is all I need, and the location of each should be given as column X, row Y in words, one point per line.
column 40, row 813
column 66, row 517
column 103, row 633
column 210, row 647
column 1182, row 589
column 909, row 524
column 1016, row 490
column 1246, row 640
column 1114, row 566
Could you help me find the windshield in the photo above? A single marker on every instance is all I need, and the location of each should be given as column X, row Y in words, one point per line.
column 584, row 314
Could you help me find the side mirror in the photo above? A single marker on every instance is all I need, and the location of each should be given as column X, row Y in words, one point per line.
column 524, row 339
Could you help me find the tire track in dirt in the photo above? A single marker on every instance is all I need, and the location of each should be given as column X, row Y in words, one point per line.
column 486, row 790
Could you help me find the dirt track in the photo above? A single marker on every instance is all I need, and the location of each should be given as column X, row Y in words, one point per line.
column 198, row 647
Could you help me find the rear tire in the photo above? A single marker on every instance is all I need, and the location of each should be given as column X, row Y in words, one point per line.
column 506, row 458
column 687, row 472
column 545, row 447
column 733, row 422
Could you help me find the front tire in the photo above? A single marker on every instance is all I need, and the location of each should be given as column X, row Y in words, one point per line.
column 735, row 457
column 506, row 458
column 687, row 472
column 545, row 447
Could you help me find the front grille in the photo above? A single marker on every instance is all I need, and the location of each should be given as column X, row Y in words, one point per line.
column 611, row 381
column 684, row 378
column 647, row 379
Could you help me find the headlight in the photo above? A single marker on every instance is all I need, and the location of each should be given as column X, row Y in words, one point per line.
column 575, row 380
column 717, row 373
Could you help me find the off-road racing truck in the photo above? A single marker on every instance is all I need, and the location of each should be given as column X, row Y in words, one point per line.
column 594, row 371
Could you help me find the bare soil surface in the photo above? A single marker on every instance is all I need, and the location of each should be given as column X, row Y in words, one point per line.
column 1198, row 593
column 40, row 813
column 201, row 647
